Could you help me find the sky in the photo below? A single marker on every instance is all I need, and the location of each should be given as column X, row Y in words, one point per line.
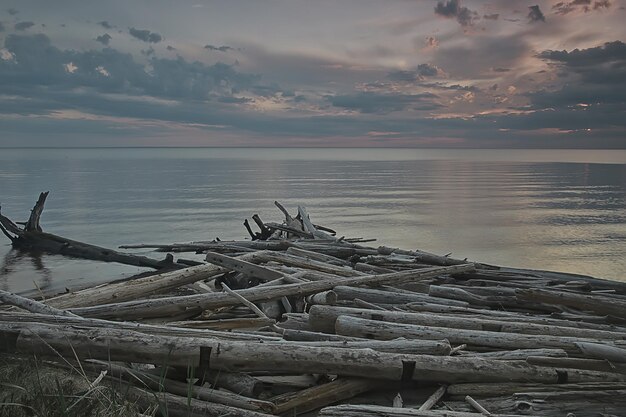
column 323, row 73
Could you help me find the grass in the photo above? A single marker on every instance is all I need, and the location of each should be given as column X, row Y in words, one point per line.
column 31, row 387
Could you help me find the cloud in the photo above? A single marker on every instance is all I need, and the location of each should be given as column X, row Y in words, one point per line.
column 104, row 39
column 566, row 7
column 535, row 14
column 383, row 103
column 218, row 48
column 493, row 16
column 145, row 35
column 24, row 25
column 106, row 24
column 421, row 71
column 12, row 11
column 427, row 70
column 610, row 52
column 431, row 42
column 453, row 9
column 170, row 48
column 38, row 64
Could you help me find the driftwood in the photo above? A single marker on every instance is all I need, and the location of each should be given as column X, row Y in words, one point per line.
column 325, row 320
column 31, row 237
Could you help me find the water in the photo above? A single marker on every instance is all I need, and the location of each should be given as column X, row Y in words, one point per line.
column 557, row 210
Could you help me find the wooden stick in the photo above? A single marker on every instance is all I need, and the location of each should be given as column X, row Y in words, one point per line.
column 477, row 406
column 434, row 398
column 31, row 305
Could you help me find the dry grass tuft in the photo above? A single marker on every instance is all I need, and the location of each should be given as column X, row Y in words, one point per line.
column 31, row 387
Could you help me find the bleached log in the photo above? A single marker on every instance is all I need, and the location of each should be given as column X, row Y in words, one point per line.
column 381, row 330
column 158, row 330
column 578, row 363
column 602, row 351
column 323, row 319
column 129, row 346
column 490, row 389
column 519, row 354
column 243, row 266
column 31, row 305
column 388, row 297
column 193, row 304
column 598, row 304
column 136, row 288
column 434, row 398
column 349, row 410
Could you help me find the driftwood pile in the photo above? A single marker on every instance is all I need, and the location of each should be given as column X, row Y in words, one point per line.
column 297, row 321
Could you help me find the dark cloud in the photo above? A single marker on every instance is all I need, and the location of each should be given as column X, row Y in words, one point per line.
column 148, row 52
column 598, row 89
column 218, row 48
column 12, row 11
column 24, row 25
column 38, row 64
column 235, row 100
column 145, row 35
column 371, row 102
column 104, row 39
column 106, row 24
column 566, row 7
column 453, row 9
column 422, row 70
column 610, row 52
column 535, row 14
column 427, row 70
column 493, row 16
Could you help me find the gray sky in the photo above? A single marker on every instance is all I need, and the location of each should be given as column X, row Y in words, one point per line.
column 453, row 73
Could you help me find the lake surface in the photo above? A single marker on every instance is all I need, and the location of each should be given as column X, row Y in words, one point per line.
column 543, row 209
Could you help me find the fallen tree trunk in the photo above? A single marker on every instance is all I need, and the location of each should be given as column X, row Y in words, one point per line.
column 194, row 304
column 32, row 237
column 130, row 346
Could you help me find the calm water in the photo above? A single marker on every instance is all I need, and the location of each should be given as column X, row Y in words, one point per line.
column 559, row 210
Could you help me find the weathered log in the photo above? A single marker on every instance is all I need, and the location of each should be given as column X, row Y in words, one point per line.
column 577, row 363
column 31, row 237
column 349, row 410
column 459, row 294
column 136, row 288
column 193, row 304
column 242, row 265
column 158, row 330
column 323, row 319
column 602, row 351
column 182, row 406
column 519, row 354
column 186, row 390
column 357, row 327
column 129, row 346
column 389, row 297
column 31, row 305
column 407, row 346
column 602, row 305
column 434, row 398
column 490, row 389
column 322, row 395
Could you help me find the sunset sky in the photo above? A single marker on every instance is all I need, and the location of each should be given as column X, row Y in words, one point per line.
column 396, row 73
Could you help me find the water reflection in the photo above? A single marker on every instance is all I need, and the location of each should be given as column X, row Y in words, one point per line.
column 550, row 215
